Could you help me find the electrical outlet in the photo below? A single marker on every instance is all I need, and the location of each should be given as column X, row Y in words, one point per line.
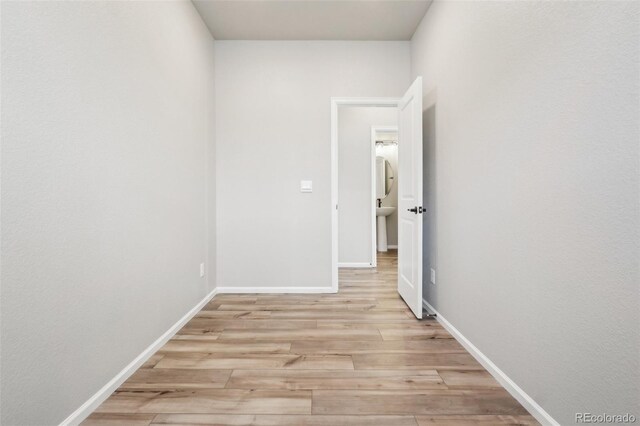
column 433, row 276
column 202, row 269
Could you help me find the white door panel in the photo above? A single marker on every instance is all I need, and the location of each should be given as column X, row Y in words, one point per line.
column 410, row 197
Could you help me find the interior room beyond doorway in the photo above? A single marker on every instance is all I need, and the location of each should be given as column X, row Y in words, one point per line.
column 367, row 172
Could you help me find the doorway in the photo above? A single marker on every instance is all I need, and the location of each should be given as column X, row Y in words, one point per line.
column 356, row 184
column 384, row 175
column 367, row 194
column 410, row 196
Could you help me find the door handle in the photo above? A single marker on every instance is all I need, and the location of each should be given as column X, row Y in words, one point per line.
column 413, row 210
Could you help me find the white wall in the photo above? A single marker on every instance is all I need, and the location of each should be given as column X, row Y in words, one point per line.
column 106, row 124
column 273, row 130
column 538, row 220
column 355, row 240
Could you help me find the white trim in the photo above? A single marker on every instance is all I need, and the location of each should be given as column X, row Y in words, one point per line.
column 393, row 246
column 355, row 265
column 334, row 194
column 99, row 397
column 516, row 391
column 275, row 290
column 374, row 204
column 335, row 103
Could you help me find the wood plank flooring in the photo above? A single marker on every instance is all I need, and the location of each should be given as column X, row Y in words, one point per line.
column 356, row 358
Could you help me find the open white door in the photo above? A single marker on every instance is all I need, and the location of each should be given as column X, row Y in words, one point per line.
column 410, row 197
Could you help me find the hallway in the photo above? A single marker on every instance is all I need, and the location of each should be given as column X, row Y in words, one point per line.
column 353, row 358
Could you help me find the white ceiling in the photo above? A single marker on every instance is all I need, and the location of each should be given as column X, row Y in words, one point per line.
column 312, row 19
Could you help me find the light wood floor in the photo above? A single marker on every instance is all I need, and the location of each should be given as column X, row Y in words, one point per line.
column 358, row 357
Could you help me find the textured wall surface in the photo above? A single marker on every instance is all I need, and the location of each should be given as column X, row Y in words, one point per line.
column 538, row 202
column 106, row 115
column 273, row 118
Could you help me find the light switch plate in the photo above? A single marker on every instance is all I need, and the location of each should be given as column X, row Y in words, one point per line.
column 433, row 276
column 306, row 186
column 202, row 269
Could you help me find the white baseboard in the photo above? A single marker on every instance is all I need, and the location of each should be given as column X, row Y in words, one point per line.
column 275, row 290
column 392, row 246
column 520, row 395
column 355, row 265
column 99, row 397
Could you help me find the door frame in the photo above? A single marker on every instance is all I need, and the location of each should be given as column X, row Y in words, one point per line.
column 374, row 221
column 337, row 102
